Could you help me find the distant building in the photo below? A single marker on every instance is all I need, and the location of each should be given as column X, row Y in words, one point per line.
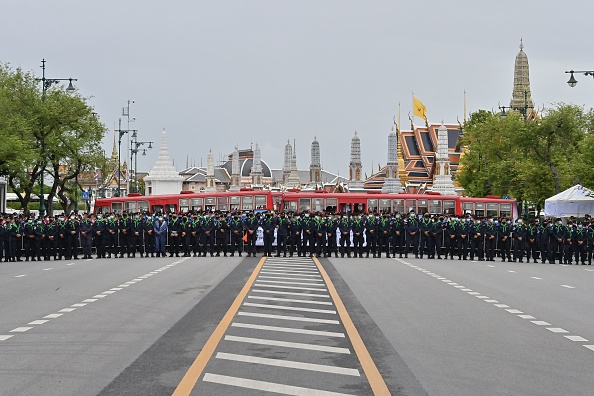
column 163, row 178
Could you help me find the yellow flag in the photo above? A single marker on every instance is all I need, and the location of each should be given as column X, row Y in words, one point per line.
column 419, row 109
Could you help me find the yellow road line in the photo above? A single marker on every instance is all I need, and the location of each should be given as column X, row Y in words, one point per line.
column 189, row 380
column 374, row 377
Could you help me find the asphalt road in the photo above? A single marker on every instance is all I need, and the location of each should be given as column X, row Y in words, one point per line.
column 436, row 327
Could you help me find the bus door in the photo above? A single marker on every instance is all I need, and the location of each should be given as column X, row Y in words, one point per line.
column 331, row 205
column 210, row 204
column 358, row 208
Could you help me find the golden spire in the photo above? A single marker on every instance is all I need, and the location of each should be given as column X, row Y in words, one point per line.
column 402, row 174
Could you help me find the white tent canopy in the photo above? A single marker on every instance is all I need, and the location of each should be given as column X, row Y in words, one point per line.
column 575, row 201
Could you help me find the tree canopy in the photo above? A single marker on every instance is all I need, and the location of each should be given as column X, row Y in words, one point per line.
column 529, row 160
column 56, row 134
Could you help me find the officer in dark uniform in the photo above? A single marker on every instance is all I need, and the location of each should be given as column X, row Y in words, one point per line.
column 208, row 234
column 125, row 235
column 425, row 237
column 568, row 245
column 358, row 228
column 221, row 230
column 309, row 237
column 136, row 230
column 29, row 239
column 384, row 230
column 236, row 229
column 519, row 240
column 532, row 241
column 580, row 244
column 490, row 231
column 196, row 234
column 462, row 230
column 268, row 226
column 344, row 227
column 477, row 239
column 295, row 235
column 450, row 236
column 398, row 235
column 62, row 237
column 331, row 230
column 251, row 225
column 175, row 229
column 149, row 235
column 72, row 228
column 86, row 236
column 100, row 235
column 504, row 239
column 543, row 240
column 412, row 235
column 371, row 237
column 320, row 235
column 111, row 236
column 186, row 234
column 283, row 229
column 557, row 237
column 16, row 240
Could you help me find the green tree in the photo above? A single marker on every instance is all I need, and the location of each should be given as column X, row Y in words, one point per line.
column 58, row 134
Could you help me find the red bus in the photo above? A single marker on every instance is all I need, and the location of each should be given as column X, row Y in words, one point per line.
column 313, row 201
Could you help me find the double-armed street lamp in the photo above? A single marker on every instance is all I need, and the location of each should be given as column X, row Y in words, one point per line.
column 572, row 82
column 46, row 83
column 134, row 149
column 121, row 133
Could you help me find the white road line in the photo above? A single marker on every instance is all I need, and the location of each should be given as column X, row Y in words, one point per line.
column 99, row 296
column 453, row 284
column 290, row 300
column 78, row 305
column 285, row 344
column 576, row 338
column 20, row 329
column 310, row 283
column 312, row 265
column 20, row 276
column 587, row 269
column 291, row 293
column 89, row 300
column 89, row 260
column 52, row 316
column 460, row 287
column 466, row 290
column 285, row 273
column 540, row 323
column 5, row 337
column 481, row 297
column 536, row 277
column 266, row 386
column 289, row 287
column 514, row 311
column 123, row 285
column 284, row 317
column 289, row 278
column 510, row 271
column 501, row 305
column 47, row 269
column 108, row 292
column 305, row 271
column 38, row 322
column 557, row 330
column 490, row 266
column 526, row 316
column 491, row 301
column 322, row 368
column 287, row 330
column 67, row 310
column 272, row 306
column 590, row 347
column 473, row 293
column 116, row 288
column 567, row 286
column 70, row 264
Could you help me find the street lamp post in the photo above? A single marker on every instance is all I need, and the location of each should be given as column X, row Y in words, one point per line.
column 46, row 83
column 134, row 149
column 572, row 82
column 121, row 132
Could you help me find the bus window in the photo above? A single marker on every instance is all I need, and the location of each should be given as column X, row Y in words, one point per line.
column 411, row 204
column 304, row 204
column 422, row 206
column 398, row 205
column 197, row 204
column 290, row 206
column 345, row 208
column 358, row 208
column 331, row 205
column 318, row 204
column 247, row 203
column 171, row 208
column 222, row 203
column 130, row 206
column 479, row 209
column 505, row 210
column 184, row 205
column 143, row 206
column 276, row 201
column 261, row 202
column 209, row 204
column 116, row 207
column 492, row 210
column 385, row 206
column 157, row 208
column 372, row 205
column 449, row 207
column 435, row 206
column 467, row 208
column 234, row 203
column 99, row 209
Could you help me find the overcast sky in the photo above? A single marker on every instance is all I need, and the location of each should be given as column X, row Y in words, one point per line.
column 219, row 73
